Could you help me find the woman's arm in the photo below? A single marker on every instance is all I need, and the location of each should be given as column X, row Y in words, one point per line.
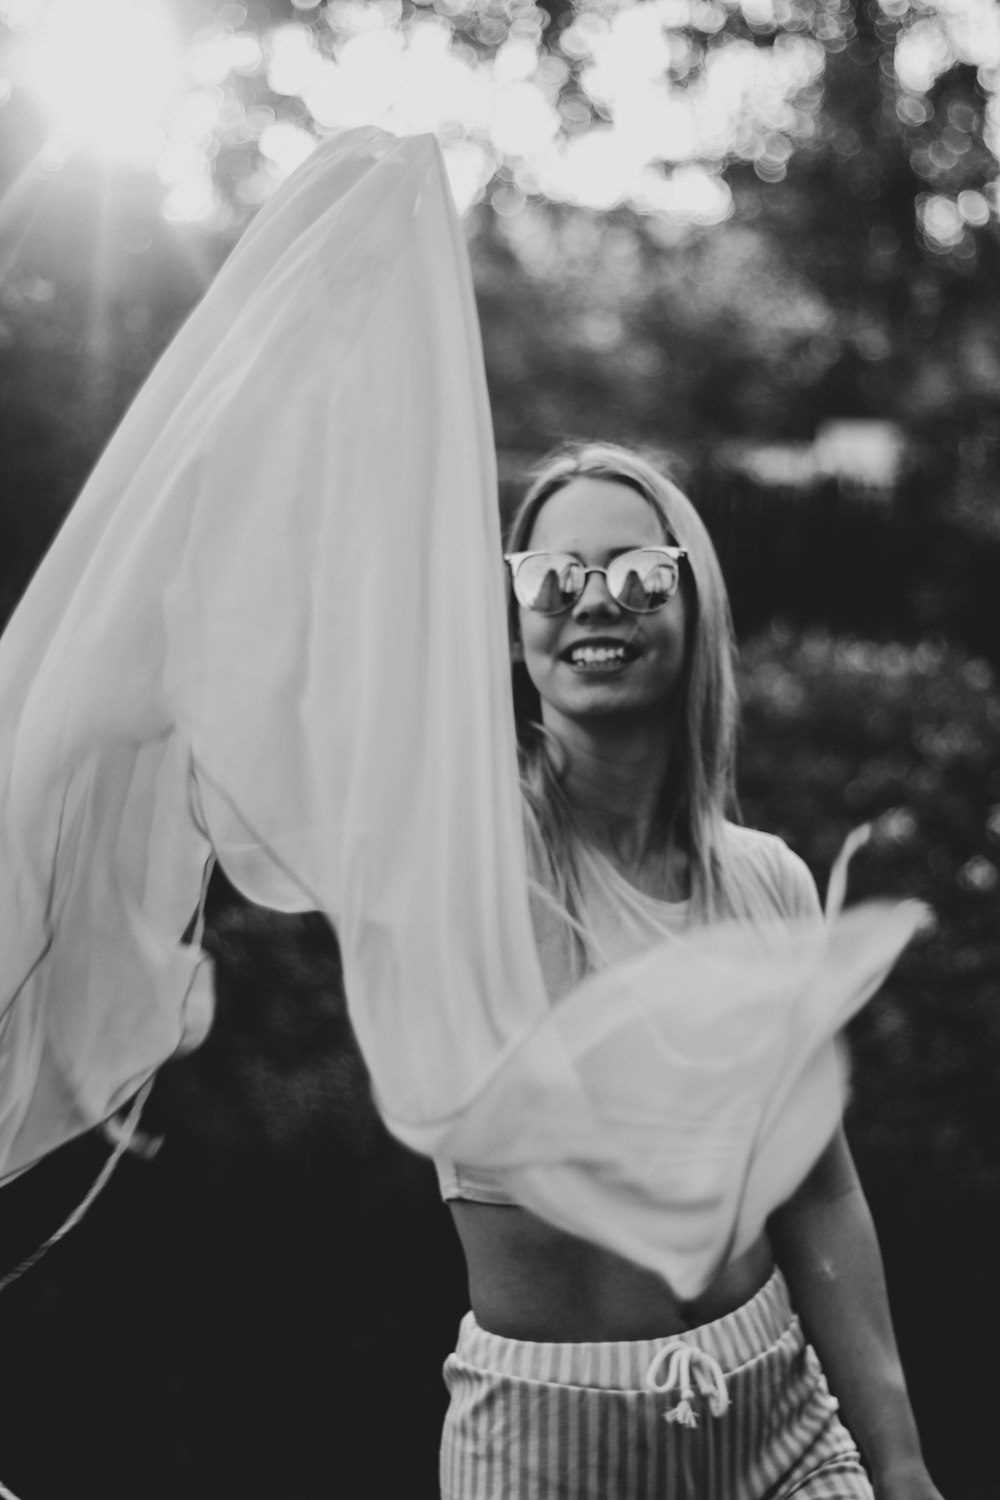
column 824, row 1240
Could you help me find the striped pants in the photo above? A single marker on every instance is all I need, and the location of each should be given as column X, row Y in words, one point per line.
column 531, row 1421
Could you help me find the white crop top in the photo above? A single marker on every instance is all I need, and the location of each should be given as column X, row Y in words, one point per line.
column 621, row 921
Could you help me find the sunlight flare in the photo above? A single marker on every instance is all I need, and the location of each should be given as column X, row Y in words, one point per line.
column 103, row 74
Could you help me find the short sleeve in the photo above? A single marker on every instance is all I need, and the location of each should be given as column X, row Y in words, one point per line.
column 801, row 898
column 769, row 877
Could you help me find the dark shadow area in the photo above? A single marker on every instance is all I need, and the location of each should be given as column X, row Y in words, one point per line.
column 264, row 1308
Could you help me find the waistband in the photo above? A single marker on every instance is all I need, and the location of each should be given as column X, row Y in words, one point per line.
column 730, row 1342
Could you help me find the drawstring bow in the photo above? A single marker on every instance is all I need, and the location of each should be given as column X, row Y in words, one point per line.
column 687, row 1368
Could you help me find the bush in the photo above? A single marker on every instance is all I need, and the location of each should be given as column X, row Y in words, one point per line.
column 837, row 732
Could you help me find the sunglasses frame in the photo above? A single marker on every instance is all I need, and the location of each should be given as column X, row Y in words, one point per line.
column 515, row 559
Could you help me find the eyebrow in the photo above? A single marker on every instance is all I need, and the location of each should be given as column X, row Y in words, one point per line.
column 609, row 552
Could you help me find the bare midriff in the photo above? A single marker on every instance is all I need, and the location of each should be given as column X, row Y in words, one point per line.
column 528, row 1280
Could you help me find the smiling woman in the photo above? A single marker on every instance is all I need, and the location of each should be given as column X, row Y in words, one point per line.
column 673, row 666
column 620, row 648
column 573, row 1355
column 205, row 670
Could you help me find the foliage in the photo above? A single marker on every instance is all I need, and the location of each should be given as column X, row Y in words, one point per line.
column 827, row 280
column 816, row 62
column 839, row 731
column 826, row 555
column 904, row 739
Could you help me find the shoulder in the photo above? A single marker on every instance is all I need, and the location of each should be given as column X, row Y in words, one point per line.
column 766, row 860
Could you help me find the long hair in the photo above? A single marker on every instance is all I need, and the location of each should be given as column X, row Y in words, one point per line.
column 699, row 789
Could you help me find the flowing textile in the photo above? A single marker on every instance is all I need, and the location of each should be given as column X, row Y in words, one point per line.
column 273, row 627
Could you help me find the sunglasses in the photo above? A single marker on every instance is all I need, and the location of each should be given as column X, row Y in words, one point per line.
column 642, row 580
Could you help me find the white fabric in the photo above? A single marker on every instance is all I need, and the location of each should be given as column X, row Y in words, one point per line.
column 273, row 625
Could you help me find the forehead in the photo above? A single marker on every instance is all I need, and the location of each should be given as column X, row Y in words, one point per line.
column 595, row 515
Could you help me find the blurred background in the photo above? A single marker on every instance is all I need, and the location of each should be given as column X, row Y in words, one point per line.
column 757, row 236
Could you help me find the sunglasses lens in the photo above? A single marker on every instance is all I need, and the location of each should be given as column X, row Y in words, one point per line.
column 548, row 583
column 643, row 581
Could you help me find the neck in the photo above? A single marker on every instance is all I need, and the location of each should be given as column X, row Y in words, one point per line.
column 614, row 779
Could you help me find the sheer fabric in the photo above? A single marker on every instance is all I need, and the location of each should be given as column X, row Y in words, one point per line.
column 273, row 628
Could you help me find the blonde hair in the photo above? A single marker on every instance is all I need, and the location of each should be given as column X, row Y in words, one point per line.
column 699, row 791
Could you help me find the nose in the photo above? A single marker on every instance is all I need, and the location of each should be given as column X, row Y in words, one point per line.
column 595, row 603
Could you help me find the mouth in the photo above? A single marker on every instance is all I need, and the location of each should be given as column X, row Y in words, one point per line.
column 599, row 656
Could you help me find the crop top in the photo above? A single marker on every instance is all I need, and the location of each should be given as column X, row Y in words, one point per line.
column 621, row 921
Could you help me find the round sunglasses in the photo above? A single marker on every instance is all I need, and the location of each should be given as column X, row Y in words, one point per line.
column 642, row 580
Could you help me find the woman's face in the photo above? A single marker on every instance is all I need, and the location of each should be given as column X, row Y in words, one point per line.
column 595, row 519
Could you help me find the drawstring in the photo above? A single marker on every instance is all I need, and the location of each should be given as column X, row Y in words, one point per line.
column 126, row 1136
column 683, row 1362
column 126, row 1131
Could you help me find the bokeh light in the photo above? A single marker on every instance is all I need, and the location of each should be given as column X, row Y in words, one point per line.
column 644, row 104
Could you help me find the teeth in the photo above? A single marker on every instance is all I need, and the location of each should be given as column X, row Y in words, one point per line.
column 592, row 655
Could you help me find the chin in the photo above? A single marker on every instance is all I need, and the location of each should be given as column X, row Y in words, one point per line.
column 606, row 706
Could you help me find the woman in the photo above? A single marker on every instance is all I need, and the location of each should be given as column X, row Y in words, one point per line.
column 572, row 1357
column 202, row 671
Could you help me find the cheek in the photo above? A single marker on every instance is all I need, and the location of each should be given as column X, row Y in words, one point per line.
column 668, row 653
column 674, row 631
column 535, row 635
